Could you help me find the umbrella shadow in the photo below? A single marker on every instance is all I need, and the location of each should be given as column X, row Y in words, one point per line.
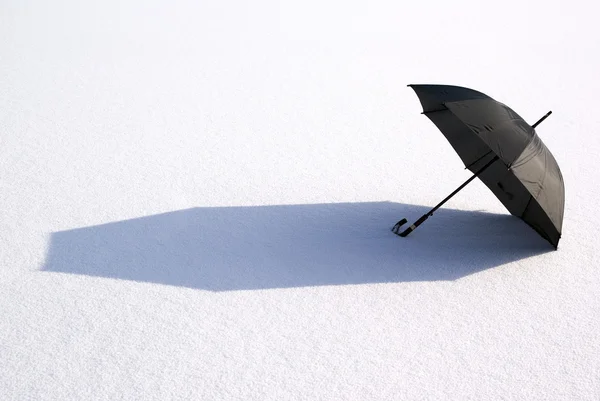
column 285, row 246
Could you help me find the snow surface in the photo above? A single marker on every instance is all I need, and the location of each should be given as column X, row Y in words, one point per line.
column 196, row 201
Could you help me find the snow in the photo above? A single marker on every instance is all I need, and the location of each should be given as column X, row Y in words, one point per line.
column 196, row 201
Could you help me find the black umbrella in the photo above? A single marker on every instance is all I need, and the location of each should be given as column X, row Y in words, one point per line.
column 500, row 148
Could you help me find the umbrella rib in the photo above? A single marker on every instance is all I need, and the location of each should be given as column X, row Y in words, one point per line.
column 434, row 111
column 510, row 166
column 478, row 159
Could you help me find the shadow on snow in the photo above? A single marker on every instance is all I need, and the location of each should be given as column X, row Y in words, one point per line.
column 264, row 247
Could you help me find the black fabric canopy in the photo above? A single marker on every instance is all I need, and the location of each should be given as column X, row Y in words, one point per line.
column 501, row 149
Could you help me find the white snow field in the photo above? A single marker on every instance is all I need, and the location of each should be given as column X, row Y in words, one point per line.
column 196, row 200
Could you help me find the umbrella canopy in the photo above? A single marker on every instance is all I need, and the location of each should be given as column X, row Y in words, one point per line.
column 503, row 150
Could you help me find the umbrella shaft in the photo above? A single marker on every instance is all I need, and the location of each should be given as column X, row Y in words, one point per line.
column 430, row 213
column 464, row 184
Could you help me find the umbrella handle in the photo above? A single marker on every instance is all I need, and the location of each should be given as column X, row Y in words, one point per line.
column 411, row 228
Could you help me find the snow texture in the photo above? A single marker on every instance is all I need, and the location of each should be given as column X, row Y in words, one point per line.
column 196, row 201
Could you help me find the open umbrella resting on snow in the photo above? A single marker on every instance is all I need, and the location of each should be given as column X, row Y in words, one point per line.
column 500, row 148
